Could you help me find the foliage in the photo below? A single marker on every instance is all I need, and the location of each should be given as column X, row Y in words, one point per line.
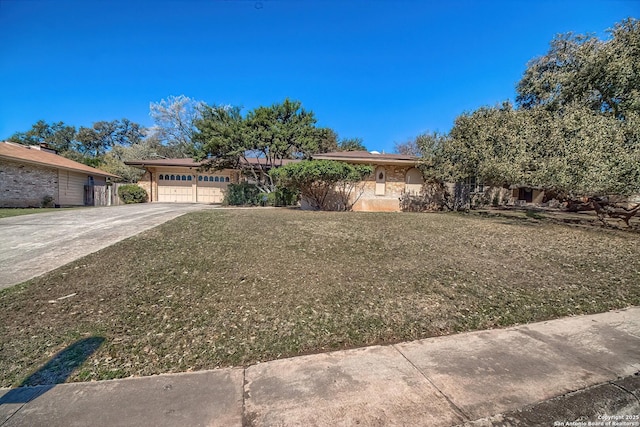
column 270, row 134
column 174, row 118
column 242, row 194
column 149, row 148
column 601, row 75
column 324, row 184
column 576, row 131
column 351, row 144
column 132, row 193
column 58, row 136
column 408, row 148
column 574, row 152
column 102, row 136
column 433, row 197
column 280, row 197
column 48, row 202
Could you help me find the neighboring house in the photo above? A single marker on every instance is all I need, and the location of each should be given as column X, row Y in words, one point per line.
column 393, row 175
column 183, row 180
column 33, row 176
column 523, row 194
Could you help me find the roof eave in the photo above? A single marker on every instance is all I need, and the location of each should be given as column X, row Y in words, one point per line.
column 34, row 162
column 370, row 161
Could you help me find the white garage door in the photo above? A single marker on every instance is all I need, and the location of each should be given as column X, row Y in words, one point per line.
column 212, row 190
column 176, row 189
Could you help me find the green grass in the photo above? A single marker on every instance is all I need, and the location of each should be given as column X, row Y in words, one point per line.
column 8, row 212
column 234, row 287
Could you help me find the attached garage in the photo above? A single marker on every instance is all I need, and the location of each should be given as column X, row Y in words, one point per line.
column 191, row 188
column 188, row 181
column 183, row 181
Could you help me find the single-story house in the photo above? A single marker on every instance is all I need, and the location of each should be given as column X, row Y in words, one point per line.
column 393, row 175
column 185, row 181
column 33, row 176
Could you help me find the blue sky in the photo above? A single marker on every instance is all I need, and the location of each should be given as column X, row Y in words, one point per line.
column 384, row 71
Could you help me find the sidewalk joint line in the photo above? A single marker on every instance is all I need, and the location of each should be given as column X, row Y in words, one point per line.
column 244, row 393
column 455, row 407
column 33, row 397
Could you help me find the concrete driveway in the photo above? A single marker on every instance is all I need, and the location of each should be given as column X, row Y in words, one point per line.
column 31, row 245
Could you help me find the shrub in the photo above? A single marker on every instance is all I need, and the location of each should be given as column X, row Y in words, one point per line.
column 242, row 194
column 47, row 202
column 132, row 193
column 432, row 197
column 324, row 184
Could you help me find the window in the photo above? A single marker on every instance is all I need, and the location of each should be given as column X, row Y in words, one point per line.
column 206, row 179
column 184, row 177
column 173, row 177
column 199, row 177
column 226, row 179
column 188, row 177
column 216, row 179
column 161, row 177
column 166, row 177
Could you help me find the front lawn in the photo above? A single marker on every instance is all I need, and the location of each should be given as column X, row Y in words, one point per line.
column 234, row 287
column 7, row 212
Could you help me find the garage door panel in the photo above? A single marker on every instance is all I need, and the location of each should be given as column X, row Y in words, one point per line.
column 175, row 192
column 210, row 195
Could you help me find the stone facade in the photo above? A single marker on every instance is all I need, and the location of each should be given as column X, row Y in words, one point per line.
column 146, row 183
column 26, row 185
column 394, row 186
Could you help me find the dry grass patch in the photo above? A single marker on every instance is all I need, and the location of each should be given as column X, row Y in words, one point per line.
column 220, row 288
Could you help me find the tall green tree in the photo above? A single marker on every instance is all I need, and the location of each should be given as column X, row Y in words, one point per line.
column 576, row 128
column 270, row 134
column 58, row 136
column 96, row 140
column 351, row 144
column 602, row 75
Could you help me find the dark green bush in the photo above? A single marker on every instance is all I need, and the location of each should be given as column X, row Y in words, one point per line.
column 242, row 194
column 132, row 193
column 48, row 202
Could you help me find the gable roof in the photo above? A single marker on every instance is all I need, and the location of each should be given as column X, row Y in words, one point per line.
column 368, row 158
column 33, row 154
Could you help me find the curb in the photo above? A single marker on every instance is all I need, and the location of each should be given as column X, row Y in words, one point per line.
column 613, row 403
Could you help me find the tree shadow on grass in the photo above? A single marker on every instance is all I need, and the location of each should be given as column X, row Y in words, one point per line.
column 55, row 371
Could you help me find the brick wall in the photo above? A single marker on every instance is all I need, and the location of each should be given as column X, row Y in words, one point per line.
column 25, row 185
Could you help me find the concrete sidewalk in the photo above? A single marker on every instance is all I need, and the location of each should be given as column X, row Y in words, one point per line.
column 545, row 373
